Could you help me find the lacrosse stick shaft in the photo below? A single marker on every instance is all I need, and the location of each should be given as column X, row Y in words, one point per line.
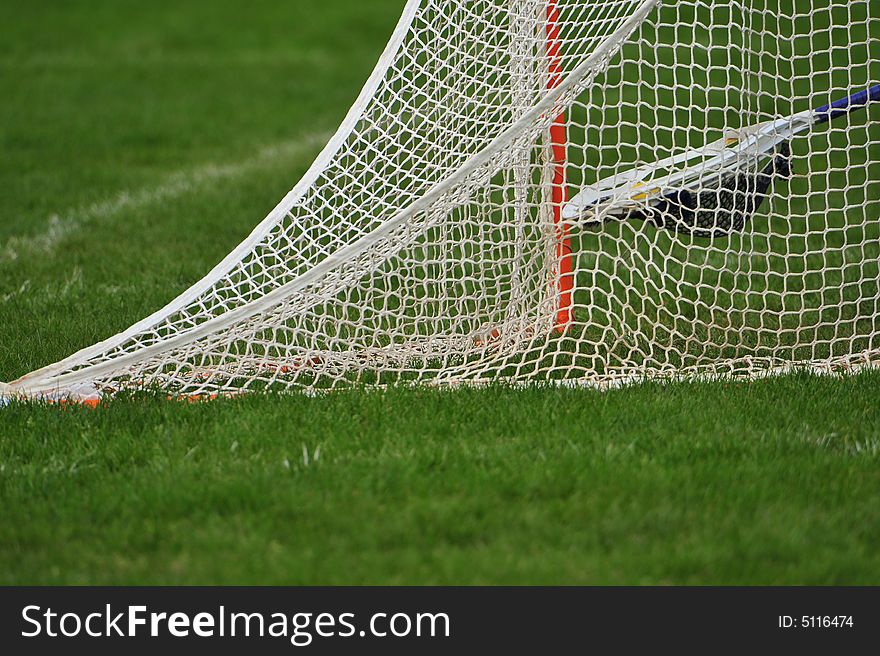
column 844, row 106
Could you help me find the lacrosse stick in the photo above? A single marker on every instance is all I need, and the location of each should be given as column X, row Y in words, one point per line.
column 712, row 190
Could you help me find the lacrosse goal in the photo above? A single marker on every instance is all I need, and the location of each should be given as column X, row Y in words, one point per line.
column 586, row 191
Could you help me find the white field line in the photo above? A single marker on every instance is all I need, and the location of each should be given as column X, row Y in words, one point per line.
column 181, row 183
column 73, row 283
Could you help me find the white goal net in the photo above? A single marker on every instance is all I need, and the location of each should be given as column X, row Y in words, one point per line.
column 586, row 191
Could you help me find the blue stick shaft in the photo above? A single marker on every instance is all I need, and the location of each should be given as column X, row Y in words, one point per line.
column 844, row 106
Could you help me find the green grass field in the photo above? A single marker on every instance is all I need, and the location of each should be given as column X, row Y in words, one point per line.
column 140, row 142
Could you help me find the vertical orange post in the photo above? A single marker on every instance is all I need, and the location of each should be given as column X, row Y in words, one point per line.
column 559, row 187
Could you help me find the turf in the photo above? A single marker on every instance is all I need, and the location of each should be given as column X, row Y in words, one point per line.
column 773, row 482
column 140, row 143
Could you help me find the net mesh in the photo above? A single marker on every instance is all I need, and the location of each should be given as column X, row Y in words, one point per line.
column 431, row 240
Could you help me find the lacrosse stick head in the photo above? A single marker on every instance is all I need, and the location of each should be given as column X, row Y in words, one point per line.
column 720, row 209
column 684, row 175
